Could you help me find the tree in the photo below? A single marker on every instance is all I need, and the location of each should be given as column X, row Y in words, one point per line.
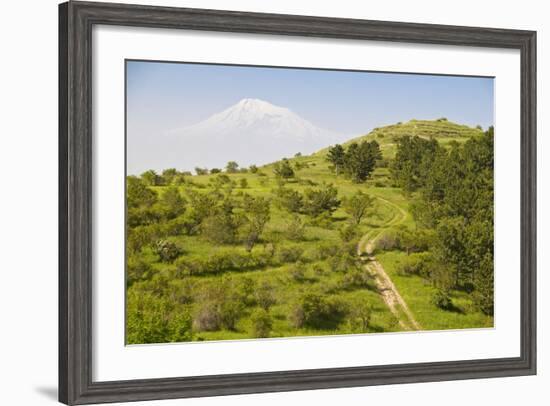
column 138, row 194
column 201, row 171
column 360, row 316
column 253, row 169
column 336, row 156
column 322, row 200
column 283, row 169
column 215, row 170
column 484, row 286
column 232, row 167
column 290, row 199
column 262, row 323
column 167, row 250
column 360, row 160
column 357, row 206
column 221, row 226
column 257, row 214
column 168, row 175
column 150, row 178
column 172, row 203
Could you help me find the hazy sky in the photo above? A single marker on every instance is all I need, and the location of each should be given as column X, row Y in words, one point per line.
column 165, row 96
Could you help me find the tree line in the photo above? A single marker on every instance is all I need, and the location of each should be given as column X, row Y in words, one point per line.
column 452, row 195
column 357, row 161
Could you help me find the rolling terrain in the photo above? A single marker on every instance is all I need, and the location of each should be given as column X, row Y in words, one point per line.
column 352, row 284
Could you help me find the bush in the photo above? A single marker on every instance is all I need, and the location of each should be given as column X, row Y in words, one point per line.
column 167, row 250
column 327, row 250
column 297, row 272
column 288, row 254
column 136, row 270
column 357, row 278
column 317, row 311
column 207, row 317
column 295, row 229
column 360, row 316
column 262, row 323
column 342, row 263
column 348, row 233
column 387, row 241
column 414, row 264
column 264, row 295
column 152, row 319
column 442, row 299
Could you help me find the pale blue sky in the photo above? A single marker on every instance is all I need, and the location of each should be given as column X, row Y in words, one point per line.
column 162, row 97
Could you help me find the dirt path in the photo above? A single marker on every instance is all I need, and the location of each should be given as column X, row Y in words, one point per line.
column 383, row 282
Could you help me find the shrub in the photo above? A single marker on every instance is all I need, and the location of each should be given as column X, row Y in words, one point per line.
column 243, row 183
column 387, row 241
column 317, row 311
column 207, row 317
column 414, row 264
column 357, row 278
column 153, row 319
column 348, row 233
column 265, row 297
column 289, row 254
column 327, row 250
column 220, row 228
column 262, row 323
column 295, row 229
column 442, row 299
column 297, row 272
column 342, row 263
column 167, row 250
column 289, row 199
column 360, row 316
column 136, row 270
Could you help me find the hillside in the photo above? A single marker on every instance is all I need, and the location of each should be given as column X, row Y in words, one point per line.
column 299, row 260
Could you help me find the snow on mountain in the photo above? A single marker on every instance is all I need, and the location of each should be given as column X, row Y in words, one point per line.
column 250, row 132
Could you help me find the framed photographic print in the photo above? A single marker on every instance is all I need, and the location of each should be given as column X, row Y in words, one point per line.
column 256, row 202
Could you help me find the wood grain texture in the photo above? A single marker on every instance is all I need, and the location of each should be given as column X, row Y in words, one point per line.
column 76, row 20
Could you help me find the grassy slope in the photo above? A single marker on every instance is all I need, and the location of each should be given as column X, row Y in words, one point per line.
column 413, row 289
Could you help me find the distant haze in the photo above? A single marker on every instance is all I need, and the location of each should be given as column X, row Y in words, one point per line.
column 189, row 115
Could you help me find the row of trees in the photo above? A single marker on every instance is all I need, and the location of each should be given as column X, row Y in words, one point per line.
column 453, row 195
column 357, row 161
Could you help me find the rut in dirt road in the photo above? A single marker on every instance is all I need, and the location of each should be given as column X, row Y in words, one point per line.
column 383, row 282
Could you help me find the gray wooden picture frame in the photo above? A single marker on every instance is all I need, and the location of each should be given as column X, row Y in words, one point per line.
column 76, row 20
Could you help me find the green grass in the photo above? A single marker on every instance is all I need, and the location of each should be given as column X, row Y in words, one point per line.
column 417, row 293
column 391, row 209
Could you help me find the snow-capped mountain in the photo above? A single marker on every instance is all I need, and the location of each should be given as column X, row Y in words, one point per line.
column 250, row 132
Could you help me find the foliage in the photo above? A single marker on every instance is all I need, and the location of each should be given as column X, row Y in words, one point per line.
column 256, row 215
column 154, row 319
column 322, row 200
column 357, row 206
column 167, row 250
column 315, row 310
column 336, row 156
column 262, row 323
column 232, row 167
column 283, row 169
column 289, row 199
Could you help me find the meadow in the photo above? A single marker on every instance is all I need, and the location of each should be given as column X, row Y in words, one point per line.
column 317, row 245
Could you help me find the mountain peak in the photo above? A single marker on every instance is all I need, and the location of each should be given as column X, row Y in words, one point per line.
column 271, row 131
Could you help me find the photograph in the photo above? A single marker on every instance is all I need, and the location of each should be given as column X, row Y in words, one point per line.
column 279, row 202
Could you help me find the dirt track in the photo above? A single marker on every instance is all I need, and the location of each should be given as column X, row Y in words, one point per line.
column 384, row 284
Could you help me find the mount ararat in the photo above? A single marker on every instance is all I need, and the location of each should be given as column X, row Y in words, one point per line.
column 250, row 132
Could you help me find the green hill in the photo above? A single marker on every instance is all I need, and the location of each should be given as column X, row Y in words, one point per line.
column 443, row 130
column 183, row 271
